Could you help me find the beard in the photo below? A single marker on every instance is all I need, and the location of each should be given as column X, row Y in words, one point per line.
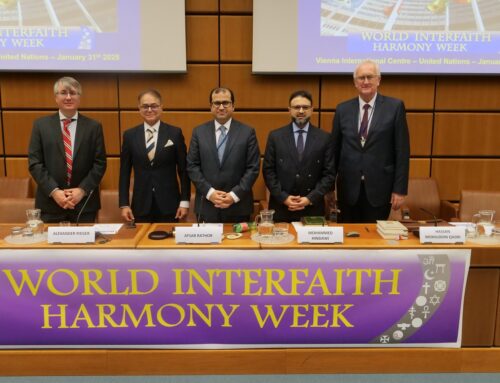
column 302, row 121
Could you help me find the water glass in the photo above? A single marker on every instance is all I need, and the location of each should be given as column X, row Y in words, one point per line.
column 280, row 229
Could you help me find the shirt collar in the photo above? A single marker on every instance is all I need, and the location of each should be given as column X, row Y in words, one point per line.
column 371, row 102
column 227, row 124
column 63, row 117
column 296, row 127
column 155, row 126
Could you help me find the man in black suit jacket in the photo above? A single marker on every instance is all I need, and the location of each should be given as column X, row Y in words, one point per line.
column 298, row 171
column 372, row 150
column 223, row 163
column 68, row 172
column 156, row 196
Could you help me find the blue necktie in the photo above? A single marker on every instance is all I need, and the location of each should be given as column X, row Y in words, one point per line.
column 221, row 143
column 300, row 143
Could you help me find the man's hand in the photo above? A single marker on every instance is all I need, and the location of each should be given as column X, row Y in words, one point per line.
column 74, row 195
column 127, row 214
column 296, row 203
column 181, row 212
column 397, row 200
column 62, row 200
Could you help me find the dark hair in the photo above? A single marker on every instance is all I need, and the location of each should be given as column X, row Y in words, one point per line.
column 152, row 92
column 300, row 93
column 221, row 90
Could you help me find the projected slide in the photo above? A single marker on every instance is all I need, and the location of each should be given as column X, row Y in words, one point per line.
column 91, row 35
column 404, row 36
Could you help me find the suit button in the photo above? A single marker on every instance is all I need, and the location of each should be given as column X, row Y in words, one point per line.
column 297, row 175
column 308, row 190
column 309, row 175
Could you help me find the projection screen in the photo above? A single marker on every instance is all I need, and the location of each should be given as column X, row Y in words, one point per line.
column 404, row 36
column 93, row 35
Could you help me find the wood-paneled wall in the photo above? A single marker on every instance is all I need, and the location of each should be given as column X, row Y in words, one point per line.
column 454, row 120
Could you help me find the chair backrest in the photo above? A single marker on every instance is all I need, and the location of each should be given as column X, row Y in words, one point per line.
column 110, row 211
column 471, row 201
column 13, row 210
column 423, row 194
column 15, row 187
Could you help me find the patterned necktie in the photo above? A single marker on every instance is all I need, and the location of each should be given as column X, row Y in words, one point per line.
column 67, row 149
column 363, row 128
column 300, row 143
column 221, row 143
column 150, row 143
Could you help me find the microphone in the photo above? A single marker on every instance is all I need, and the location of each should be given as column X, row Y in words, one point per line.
column 435, row 219
column 198, row 216
column 83, row 207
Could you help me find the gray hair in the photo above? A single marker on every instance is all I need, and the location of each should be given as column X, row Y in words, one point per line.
column 371, row 62
column 68, row 83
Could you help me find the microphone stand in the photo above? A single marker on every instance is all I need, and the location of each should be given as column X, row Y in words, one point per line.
column 83, row 207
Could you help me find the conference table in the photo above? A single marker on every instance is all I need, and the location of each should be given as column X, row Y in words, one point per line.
column 480, row 351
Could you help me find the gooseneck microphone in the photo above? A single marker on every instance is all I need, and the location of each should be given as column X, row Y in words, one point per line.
column 435, row 219
column 198, row 216
column 83, row 207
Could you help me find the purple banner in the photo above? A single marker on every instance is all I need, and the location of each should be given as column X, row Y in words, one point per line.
column 231, row 298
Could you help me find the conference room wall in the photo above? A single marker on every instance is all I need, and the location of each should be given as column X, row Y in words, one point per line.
column 219, row 52
column 1, row 138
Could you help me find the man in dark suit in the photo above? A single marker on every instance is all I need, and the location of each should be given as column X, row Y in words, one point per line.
column 298, row 164
column 371, row 149
column 67, row 159
column 223, row 163
column 156, row 152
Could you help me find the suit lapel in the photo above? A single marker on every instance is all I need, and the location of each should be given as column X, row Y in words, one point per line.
column 311, row 137
column 292, row 147
column 56, row 130
column 140, row 143
column 209, row 136
column 79, row 135
column 161, row 141
column 232, row 137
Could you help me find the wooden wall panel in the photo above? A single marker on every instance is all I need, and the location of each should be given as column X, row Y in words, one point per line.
column 264, row 92
column 480, row 307
column 111, row 129
column 202, row 6
column 467, row 134
column 110, row 179
column 202, row 34
column 420, row 167
column 18, row 125
column 420, row 127
column 17, row 130
column 236, row 38
column 326, row 121
column 259, row 187
column 1, row 136
column 18, row 167
column 179, row 91
column 468, row 93
column 416, row 92
column 36, row 90
column 187, row 121
column 243, row 6
column 2, row 167
column 496, row 341
column 453, row 175
column 265, row 122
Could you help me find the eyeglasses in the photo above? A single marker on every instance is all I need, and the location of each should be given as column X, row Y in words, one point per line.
column 297, row 108
column 369, row 77
column 66, row 93
column 225, row 104
column 146, row 107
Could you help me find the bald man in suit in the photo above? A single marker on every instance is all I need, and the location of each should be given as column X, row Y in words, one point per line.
column 223, row 163
column 67, row 159
column 371, row 149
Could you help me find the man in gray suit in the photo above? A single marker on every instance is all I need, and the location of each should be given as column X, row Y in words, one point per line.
column 298, row 164
column 372, row 150
column 67, row 159
column 223, row 163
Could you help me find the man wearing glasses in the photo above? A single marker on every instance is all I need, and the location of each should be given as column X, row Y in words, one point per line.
column 67, row 159
column 223, row 163
column 156, row 151
column 371, row 150
column 298, row 164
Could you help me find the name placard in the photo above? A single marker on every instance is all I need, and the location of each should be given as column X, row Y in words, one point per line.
column 320, row 234
column 71, row 234
column 442, row 234
column 198, row 234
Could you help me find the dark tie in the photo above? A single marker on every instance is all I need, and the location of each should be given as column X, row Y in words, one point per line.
column 363, row 128
column 67, row 149
column 150, row 143
column 300, row 143
column 221, row 143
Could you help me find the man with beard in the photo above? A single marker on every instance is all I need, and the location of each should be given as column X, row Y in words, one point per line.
column 298, row 164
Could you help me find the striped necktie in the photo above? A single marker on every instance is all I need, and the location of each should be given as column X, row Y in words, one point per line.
column 68, row 151
column 150, row 143
column 363, row 128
